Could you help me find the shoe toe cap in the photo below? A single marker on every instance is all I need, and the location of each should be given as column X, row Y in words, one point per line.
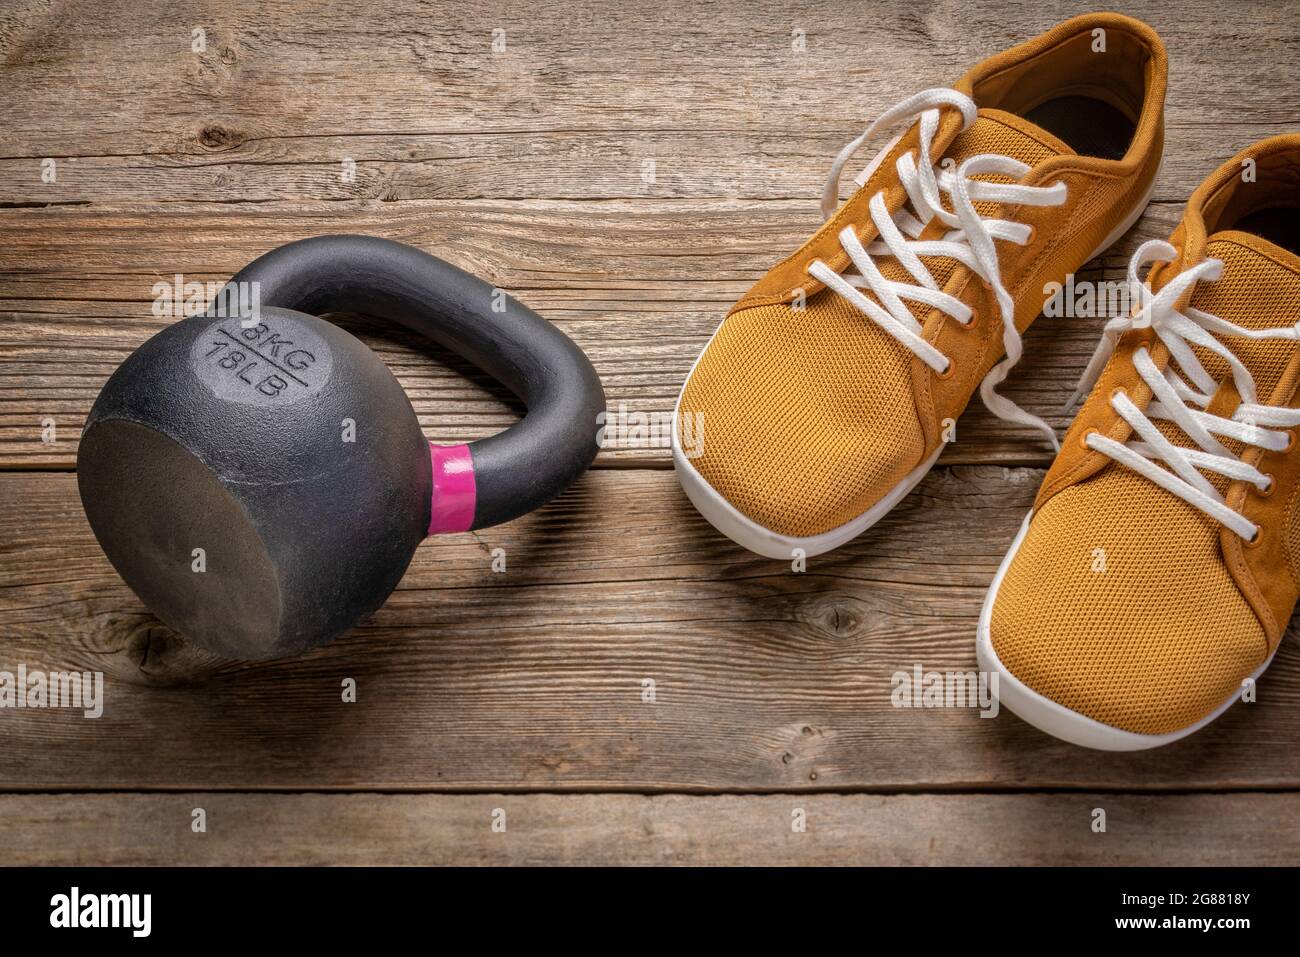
column 1131, row 621
column 796, row 433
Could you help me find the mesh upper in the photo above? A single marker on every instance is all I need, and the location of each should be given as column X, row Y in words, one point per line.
column 809, row 417
column 1162, row 636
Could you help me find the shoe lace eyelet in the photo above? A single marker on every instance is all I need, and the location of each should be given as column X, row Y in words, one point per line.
column 1290, row 440
column 1255, row 540
column 1083, row 439
column 1033, row 234
column 948, row 371
column 1267, row 490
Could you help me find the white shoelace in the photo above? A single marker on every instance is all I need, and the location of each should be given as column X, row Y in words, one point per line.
column 969, row 240
column 1183, row 402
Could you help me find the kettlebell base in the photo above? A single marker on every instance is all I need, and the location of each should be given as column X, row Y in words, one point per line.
column 180, row 540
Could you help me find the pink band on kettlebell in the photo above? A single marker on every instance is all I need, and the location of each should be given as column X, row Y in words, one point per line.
column 454, row 490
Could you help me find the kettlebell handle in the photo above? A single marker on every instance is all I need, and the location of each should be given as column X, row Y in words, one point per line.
column 495, row 479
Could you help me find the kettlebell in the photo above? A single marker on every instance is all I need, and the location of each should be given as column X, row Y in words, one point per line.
column 258, row 477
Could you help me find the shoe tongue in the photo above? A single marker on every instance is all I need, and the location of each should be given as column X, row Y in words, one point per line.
column 993, row 131
column 1259, row 289
column 996, row 131
column 1258, row 286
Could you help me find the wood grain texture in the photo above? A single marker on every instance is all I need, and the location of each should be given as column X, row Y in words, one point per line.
column 532, row 680
column 628, row 170
column 581, row 96
column 525, row 165
column 639, row 285
column 617, row 829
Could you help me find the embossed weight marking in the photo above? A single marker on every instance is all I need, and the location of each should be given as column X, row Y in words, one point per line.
column 275, row 360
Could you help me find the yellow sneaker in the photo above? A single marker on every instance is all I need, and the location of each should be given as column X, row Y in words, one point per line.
column 829, row 390
column 1160, row 565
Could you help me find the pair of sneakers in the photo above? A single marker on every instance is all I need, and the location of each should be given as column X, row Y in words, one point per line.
column 1160, row 563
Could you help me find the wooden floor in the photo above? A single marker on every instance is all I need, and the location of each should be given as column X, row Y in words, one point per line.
column 519, row 698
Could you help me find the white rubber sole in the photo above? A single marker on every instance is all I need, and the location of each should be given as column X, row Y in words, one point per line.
column 1056, row 719
column 748, row 533
column 742, row 530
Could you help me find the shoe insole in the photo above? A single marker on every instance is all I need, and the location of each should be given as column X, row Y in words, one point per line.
column 1279, row 226
column 1090, row 127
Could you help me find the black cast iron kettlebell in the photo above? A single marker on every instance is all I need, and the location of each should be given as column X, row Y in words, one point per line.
column 260, row 479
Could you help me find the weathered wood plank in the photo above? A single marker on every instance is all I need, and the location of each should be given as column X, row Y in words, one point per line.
column 618, row 829
column 581, row 97
column 531, row 167
column 533, row 680
column 639, row 284
column 573, row 108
